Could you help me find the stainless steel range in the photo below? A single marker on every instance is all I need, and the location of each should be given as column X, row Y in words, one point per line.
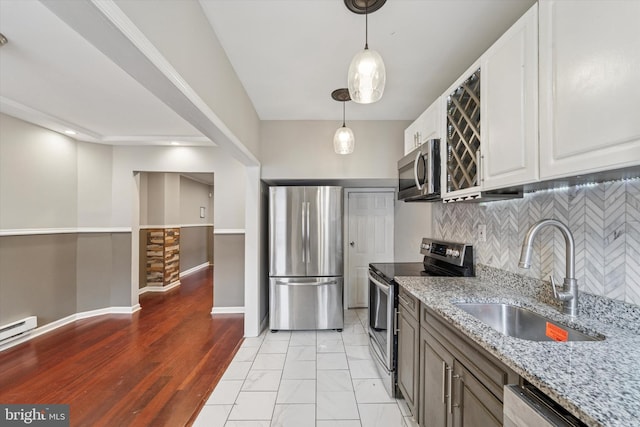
column 440, row 259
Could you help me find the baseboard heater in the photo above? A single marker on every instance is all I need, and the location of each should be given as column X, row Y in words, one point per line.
column 19, row 327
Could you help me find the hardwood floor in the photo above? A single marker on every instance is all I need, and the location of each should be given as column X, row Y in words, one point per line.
column 154, row 368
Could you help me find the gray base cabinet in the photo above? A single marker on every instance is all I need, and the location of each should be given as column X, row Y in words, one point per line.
column 460, row 384
column 408, row 351
column 436, row 366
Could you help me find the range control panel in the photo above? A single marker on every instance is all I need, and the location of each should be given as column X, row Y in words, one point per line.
column 450, row 252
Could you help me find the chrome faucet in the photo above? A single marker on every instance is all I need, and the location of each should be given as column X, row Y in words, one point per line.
column 569, row 294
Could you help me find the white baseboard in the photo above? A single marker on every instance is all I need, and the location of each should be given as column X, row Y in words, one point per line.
column 194, row 269
column 227, row 310
column 65, row 321
column 158, row 288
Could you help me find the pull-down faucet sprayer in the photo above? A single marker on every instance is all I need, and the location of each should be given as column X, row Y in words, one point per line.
column 569, row 295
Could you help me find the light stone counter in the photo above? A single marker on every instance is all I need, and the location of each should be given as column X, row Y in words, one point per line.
column 597, row 381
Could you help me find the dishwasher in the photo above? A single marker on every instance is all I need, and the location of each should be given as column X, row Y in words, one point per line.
column 526, row 406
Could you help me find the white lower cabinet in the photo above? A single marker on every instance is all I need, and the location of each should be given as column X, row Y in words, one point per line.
column 589, row 89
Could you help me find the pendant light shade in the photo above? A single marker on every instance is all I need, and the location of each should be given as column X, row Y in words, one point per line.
column 343, row 140
column 367, row 75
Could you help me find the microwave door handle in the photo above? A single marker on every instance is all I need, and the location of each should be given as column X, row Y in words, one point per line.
column 415, row 170
column 430, row 172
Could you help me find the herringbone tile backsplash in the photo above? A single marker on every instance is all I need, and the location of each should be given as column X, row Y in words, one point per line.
column 604, row 220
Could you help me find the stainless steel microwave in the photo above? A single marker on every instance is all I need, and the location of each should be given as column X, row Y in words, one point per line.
column 419, row 173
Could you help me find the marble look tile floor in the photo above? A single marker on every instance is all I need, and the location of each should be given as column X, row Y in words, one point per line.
column 305, row 378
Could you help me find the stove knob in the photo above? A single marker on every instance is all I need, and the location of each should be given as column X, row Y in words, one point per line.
column 448, row 252
column 455, row 253
column 426, row 246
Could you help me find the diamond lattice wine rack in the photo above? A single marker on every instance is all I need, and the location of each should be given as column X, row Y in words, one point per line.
column 463, row 134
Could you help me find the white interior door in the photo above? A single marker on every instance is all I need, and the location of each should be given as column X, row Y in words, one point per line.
column 370, row 239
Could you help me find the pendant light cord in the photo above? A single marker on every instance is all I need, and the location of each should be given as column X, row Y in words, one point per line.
column 343, row 123
column 366, row 24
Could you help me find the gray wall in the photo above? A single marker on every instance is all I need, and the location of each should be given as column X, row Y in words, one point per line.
column 194, row 246
column 194, row 195
column 37, row 277
column 604, row 220
column 196, row 243
column 103, row 262
column 228, row 285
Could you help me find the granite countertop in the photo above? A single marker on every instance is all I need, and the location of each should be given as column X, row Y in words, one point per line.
column 597, row 381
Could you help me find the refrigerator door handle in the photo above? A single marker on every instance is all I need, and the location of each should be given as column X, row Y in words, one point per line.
column 308, row 239
column 304, row 281
column 303, row 232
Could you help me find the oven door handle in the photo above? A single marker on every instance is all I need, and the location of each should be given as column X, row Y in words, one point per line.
column 376, row 353
column 383, row 286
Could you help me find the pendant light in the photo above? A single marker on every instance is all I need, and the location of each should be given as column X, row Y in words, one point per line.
column 367, row 75
column 343, row 141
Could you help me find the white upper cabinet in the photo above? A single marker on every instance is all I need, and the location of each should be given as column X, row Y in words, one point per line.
column 509, row 106
column 589, row 86
column 424, row 128
column 490, row 117
column 430, row 122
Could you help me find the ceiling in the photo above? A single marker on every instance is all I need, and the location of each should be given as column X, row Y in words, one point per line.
column 51, row 76
column 289, row 55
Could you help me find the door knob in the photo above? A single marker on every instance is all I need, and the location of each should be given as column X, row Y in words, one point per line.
column 352, row 244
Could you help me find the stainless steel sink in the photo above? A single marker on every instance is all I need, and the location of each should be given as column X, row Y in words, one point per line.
column 521, row 323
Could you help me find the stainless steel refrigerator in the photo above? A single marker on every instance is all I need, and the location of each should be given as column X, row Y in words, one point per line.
column 305, row 253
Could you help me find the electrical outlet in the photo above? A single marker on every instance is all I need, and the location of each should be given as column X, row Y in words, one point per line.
column 482, row 233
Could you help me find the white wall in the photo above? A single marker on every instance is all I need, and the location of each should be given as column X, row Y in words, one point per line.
column 38, row 177
column 229, row 197
column 183, row 35
column 303, row 149
column 94, row 185
column 412, row 223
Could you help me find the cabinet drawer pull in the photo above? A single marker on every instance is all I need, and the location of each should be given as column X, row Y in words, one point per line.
column 396, row 316
column 449, row 379
column 405, row 301
column 444, row 388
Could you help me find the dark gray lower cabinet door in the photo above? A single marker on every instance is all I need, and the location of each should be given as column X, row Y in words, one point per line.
column 473, row 404
column 408, row 359
column 435, row 366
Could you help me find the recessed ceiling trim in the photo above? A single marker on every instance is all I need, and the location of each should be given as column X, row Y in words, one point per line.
column 23, row 112
column 166, row 139
column 55, row 124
